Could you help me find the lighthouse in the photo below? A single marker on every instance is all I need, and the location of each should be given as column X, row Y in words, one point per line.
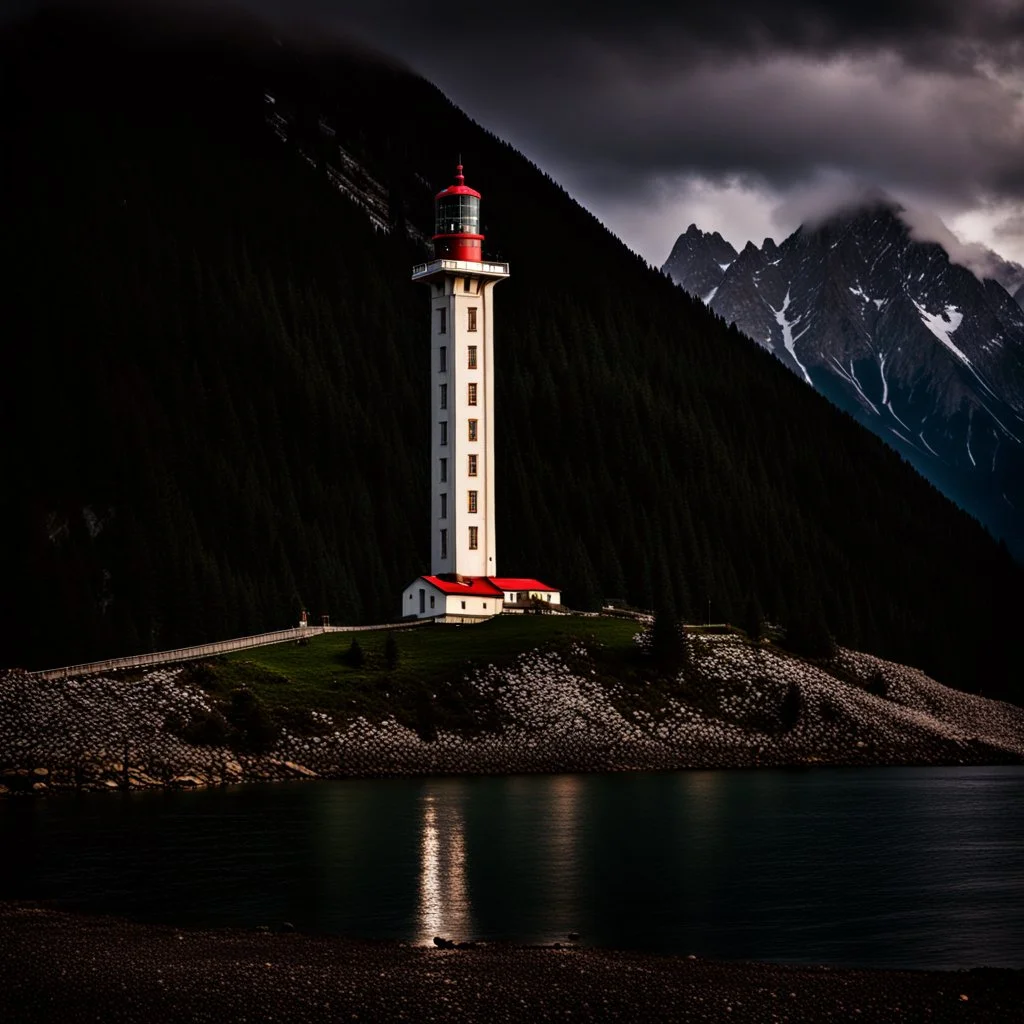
column 463, row 584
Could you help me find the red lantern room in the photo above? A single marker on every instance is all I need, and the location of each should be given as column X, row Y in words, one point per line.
column 457, row 222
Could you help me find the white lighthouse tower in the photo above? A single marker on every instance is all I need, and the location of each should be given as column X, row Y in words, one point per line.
column 463, row 581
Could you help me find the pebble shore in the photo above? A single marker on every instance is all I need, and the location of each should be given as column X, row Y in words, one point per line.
column 62, row 967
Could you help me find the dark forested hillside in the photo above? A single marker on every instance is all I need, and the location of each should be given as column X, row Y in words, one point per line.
column 215, row 397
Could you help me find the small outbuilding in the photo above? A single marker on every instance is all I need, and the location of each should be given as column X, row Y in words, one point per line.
column 517, row 590
column 453, row 597
column 456, row 598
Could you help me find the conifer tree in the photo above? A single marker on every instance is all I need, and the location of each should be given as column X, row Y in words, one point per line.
column 391, row 651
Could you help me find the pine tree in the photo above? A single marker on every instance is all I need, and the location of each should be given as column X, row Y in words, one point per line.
column 668, row 645
column 753, row 620
column 391, row 651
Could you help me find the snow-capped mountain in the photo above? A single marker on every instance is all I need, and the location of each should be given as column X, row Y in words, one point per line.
column 917, row 347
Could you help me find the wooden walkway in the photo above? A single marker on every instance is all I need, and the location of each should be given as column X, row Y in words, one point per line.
column 281, row 636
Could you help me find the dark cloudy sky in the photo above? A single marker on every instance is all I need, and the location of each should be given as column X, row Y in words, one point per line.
column 743, row 116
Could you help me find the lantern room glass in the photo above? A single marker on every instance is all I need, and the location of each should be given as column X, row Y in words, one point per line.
column 457, row 215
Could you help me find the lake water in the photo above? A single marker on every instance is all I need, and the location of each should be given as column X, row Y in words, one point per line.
column 905, row 867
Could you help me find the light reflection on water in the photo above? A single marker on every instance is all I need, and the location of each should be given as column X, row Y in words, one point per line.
column 444, row 907
column 874, row 867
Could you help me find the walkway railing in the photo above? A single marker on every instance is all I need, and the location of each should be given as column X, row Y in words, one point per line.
column 92, row 668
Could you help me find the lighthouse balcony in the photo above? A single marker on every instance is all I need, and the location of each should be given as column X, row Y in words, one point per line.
column 485, row 268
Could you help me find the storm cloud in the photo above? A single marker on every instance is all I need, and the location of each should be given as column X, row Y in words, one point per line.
column 752, row 113
column 747, row 116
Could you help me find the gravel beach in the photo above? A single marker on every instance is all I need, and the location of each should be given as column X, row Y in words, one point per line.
column 65, row 967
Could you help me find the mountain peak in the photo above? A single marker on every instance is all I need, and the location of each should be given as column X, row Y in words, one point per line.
column 871, row 301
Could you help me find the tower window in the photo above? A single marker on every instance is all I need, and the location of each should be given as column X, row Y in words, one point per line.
column 472, row 431
column 472, row 318
column 471, row 363
column 472, row 501
column 467, row 284
column 443, row 471
column 442, row 362
column 442, row 326
column 471, row 394
column 444, row 543
column 474, row 534
column 472, row 465
column 444, row 431
column 444, row 506
column 444, row 396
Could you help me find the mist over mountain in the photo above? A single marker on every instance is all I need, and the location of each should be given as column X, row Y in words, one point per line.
column 907, row 339
column 217, row 382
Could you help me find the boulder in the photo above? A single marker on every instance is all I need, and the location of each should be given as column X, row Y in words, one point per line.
column 187, row 781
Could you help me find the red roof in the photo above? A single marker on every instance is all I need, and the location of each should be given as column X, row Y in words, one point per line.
column 511, row 583
column 460, row 188
column 475, row 586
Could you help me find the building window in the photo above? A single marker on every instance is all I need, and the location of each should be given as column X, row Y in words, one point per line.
column 472, row 318
column 423, row 606
column 431, row 600
column 466, row 284
column 472, row 465
column 444, row 431
column 485, row 604
column 472, row 430
column 474, row 533
column 442, row 316
column 444, row 470
column 472, row 501
column 444, row 506
column 463, row 604
column 471, row 393
column 472, row 357
column 444, row 543
column 442, row 362
column 444, row 396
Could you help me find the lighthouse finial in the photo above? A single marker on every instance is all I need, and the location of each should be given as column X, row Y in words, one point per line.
column 459, row 176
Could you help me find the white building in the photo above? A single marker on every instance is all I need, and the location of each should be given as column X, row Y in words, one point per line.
column 465, row 598
column 463, row 556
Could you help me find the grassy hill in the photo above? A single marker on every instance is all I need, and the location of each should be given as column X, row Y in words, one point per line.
column 428, row 686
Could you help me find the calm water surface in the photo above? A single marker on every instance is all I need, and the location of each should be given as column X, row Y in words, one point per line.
column 919, row 867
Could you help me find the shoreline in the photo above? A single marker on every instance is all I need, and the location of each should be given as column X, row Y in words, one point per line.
column 62, row 966
column 22, row 784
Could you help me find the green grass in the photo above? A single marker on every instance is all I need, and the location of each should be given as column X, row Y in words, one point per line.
column 426, row 689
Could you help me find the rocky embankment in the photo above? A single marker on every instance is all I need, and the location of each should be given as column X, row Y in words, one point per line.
column 736, row 706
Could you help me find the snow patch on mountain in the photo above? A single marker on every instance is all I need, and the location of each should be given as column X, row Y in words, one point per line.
column 943, row 325
column 850, row 376
column 787, row 336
